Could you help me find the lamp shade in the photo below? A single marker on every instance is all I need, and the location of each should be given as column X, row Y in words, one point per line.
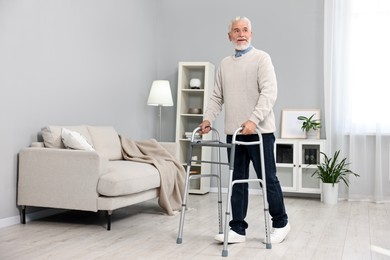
column 160, row 94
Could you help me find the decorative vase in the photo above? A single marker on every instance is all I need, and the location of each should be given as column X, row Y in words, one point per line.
column 195, row 83
column 312, row 134
column 330, row 193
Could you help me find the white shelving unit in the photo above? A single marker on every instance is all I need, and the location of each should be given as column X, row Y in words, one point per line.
column 296, row 160
column 186, row 122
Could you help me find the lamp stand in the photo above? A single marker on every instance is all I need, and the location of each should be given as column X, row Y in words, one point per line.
column 159, row 118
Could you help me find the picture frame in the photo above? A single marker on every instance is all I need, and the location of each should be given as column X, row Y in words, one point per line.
column 291, row 126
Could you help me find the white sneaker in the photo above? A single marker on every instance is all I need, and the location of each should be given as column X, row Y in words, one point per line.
column 233, row 237
column 279, row 234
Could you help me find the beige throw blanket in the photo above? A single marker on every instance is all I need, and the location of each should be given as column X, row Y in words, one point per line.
column 171, row 171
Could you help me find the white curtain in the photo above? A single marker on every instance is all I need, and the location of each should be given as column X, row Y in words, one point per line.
column 357, row 93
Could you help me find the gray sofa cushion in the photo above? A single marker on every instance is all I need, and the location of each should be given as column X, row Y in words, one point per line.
column 104, row 139
column 127, row 177
column 106, row 142
column 52, row 135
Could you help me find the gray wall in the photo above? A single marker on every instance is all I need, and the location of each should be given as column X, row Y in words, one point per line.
column 69, row 63
column 290, row 31
column 93, row 61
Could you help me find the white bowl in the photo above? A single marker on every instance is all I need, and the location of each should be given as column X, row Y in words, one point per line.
column 195, row 83
column 193, row 110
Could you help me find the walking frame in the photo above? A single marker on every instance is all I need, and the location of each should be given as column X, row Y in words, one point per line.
column 216, row 143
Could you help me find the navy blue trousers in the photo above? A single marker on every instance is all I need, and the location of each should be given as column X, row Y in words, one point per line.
column 244, row 154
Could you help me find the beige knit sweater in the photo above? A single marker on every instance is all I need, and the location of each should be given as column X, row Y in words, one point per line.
column 247, row 88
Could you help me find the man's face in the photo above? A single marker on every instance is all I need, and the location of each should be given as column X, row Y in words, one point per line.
column 240, row 35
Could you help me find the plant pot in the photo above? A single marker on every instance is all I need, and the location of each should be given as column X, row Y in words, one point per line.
column 330, row 193
column 312, row 134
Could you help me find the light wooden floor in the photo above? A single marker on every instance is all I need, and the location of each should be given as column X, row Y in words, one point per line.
column 348, row 230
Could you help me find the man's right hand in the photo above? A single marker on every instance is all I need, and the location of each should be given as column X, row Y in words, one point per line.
column 205, row 127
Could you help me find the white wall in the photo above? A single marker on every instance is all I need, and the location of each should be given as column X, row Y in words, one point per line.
column 93, row 61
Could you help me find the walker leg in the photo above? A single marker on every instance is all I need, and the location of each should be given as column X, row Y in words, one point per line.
column 268, row 244
column 263, row 185
column 227, row 215
column 179, row 239
column 226, row 233
column 228, row 201
column 219, row 196
column 220, row 222
column 266, row 220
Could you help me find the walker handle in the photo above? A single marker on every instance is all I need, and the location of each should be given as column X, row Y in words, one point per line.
column 248, row 143
column 198, row 129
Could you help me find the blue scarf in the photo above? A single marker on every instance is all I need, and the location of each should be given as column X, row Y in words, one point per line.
column 239, row 53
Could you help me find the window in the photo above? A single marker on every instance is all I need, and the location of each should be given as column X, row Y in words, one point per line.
column 367, row 54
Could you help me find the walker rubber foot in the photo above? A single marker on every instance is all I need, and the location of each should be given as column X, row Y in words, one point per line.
column 224, row 253
column 268, row 246
column 179, row 240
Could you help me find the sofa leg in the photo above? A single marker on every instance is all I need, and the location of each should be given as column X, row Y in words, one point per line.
column 109, row 213
column 23, row 215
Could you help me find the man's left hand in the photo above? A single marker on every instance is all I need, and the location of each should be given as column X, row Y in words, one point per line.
column 248, row 128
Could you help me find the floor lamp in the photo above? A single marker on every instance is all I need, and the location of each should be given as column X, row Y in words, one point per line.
column 160, row 95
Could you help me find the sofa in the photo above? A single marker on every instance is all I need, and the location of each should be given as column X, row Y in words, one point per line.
column 83, row 168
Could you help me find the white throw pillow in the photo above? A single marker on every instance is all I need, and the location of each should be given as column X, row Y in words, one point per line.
column 75, row 140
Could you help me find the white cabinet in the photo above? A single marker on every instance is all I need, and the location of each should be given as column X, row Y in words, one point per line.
column 191, row 103
column 296, row 160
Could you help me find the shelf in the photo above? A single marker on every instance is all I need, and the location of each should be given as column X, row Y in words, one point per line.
column 189, row 90
column 195, row 115
column 188, row 98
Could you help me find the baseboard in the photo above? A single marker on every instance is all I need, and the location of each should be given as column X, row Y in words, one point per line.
column 6, row 222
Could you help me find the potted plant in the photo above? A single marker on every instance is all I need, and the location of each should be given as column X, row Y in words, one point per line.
column 310, row 126
column 331, row 171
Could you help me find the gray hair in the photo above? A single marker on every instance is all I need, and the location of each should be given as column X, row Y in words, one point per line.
column 240, row 18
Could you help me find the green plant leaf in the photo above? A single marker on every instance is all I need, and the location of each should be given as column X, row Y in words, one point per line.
column 309, row 123
column 331, row 170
